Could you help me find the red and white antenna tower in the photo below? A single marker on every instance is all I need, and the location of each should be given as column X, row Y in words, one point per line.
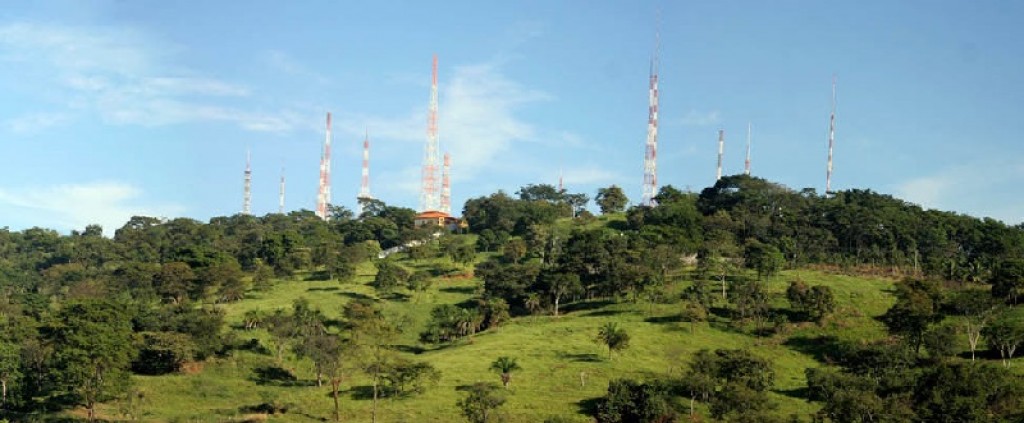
column 280, row 199
column 324, row 194
column 650, row 188
column 831, row 138
column 721, row 150
column 364, row 187
column 746, row 164
column 247, row 193
column 561, row 184
column 428, row 194
column 446, row 184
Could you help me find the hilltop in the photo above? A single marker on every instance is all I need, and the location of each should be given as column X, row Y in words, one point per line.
column 746, row 302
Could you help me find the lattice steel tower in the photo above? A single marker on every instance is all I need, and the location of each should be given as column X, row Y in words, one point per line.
column 247, row 191
column 428, row 194
column 324, row 193
column 650, row 188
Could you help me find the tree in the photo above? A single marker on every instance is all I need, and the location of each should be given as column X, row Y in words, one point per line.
column 917, row 307
column 611, row 199
column 766, row 259
column 282, row 329
column 390, row 276
column 514, row 250
column 815, row 302
column 420, row 282
column 1008, row 280
column 693, row 311
column 263, row 277
column 1005, row 334
column 976, row 308
column 505, row 365
column 163, row 352
column 730, row 381
column 333, row 366
column 10, row 369
column 175, row 281
column 631, row 401
column 750, row 300
column 406, row 377
column 94, row 351
column 481, row 401
column 560, row 285
column 613, row 336
column 967, row 392
column 373, row 334
column 577, row 203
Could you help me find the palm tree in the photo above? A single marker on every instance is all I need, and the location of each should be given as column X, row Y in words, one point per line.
column 505, row 365
column 613, row 336
column 533, row 303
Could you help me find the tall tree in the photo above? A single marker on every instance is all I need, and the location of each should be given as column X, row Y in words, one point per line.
column 10, row 369
column 93, row 351
column 917, row 306
column 976, row 308
column 611, row 199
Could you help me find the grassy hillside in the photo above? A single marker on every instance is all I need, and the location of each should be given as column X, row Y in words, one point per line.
column 563, row 367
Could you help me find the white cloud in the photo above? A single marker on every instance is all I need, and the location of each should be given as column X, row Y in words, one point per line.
column 589, row 175
column 125, row 77
column 977, row 188
column 34, row 122
column 695, row 118
column 478, row 121
column 73, row 206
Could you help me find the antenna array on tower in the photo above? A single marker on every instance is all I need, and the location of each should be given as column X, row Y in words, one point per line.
column 364, row 187
column 446, row 185
column 247, row 194
column 324, row 193
column 831, row 138
column 428, row 193
column 650, row 188
column 721, row 151
column 746, row 163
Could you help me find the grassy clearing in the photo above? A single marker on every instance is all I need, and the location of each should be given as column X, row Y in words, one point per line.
column 563, row 367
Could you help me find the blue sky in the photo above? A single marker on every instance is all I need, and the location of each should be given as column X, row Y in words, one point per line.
column 112, row 109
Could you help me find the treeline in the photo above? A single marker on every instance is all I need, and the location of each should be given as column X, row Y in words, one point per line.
column 80, row 312
column 743, row 220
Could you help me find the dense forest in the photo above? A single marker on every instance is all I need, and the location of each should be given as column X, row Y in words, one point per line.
column 82, row 314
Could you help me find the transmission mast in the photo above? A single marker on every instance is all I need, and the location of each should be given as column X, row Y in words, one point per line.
column 247, row 191
column 364, row 188
column 721, row 150
column 324, row 193
column 428, row 193
column 831, row 138
column 446, row 184
column 650, row 188
column 280, row 195
column 746, row 164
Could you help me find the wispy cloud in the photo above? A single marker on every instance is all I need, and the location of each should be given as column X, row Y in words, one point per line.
column 479, row 116
column 34, row 122
column 285, row 63
column 125, row 77
column 478, row 121
column 695, row 118
column 590, row 175
column 73, row 206
column 972, row 188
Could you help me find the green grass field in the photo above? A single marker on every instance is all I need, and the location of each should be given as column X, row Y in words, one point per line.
column 563, row 367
